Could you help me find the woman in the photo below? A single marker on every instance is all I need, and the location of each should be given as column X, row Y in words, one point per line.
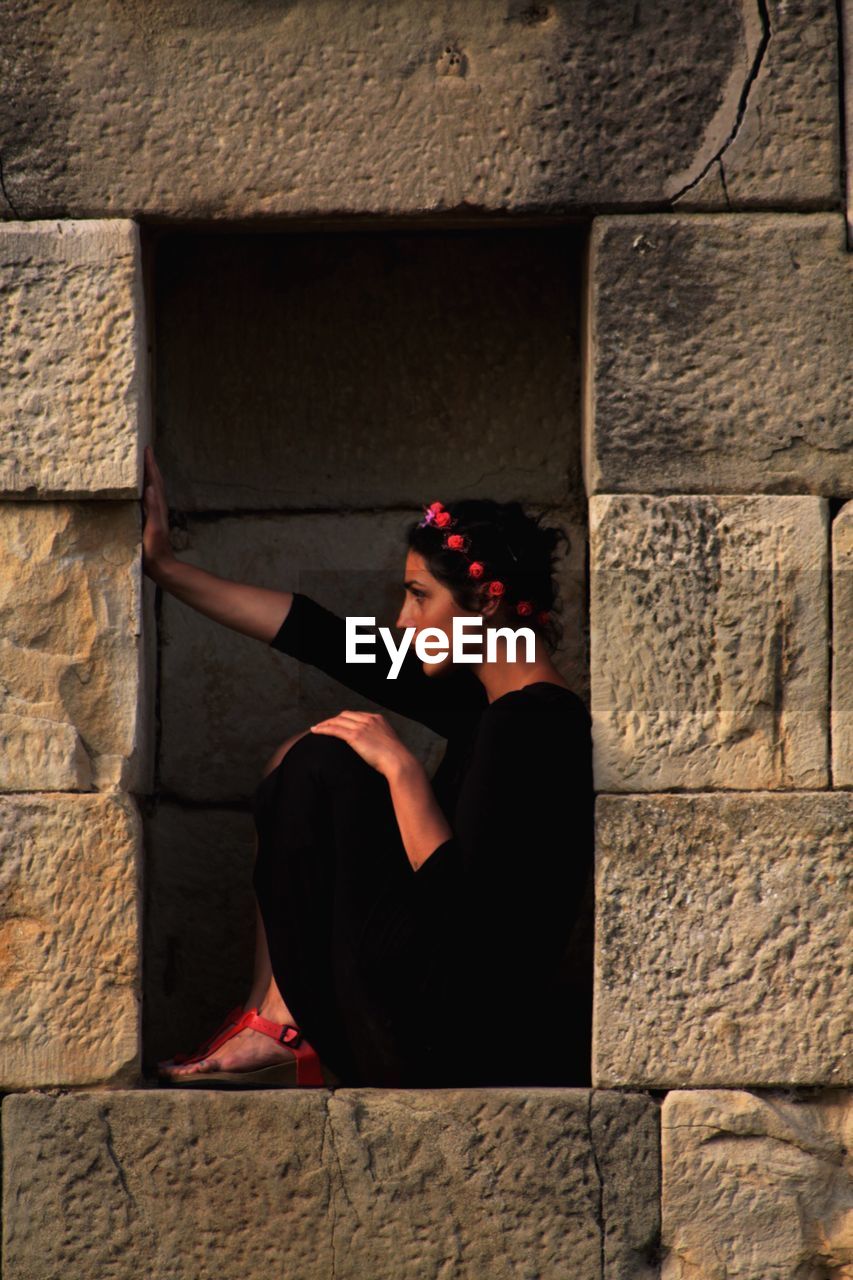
column 410, row 931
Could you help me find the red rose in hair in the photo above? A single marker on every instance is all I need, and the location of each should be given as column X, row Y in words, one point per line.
column 455, row 542
column 524, row 607
column 442, row 518
column 496, row 588
column 435, row 506
column 475, row 569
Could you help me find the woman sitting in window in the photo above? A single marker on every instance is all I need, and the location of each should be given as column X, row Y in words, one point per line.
column 411, row 930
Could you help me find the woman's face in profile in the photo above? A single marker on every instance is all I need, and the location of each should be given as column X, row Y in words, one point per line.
column 428, row 603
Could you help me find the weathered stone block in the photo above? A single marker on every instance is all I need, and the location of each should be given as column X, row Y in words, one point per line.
column 176, row 1185
column 74, row 416
column 723, row 940
column 199, row 924
column 226, row 701
column 327, row 371
column 77, row 673
column 362, row 1182
column 709, row 642
column 757, row 1185
column 69, row 939
column 718, row 355
column 399, row 108
column 842, row 647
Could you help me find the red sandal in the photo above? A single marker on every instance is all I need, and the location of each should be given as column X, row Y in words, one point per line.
column 179, row 1059
column 303, row 1069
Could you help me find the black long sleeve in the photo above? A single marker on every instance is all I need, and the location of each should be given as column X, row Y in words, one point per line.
column 316, row 635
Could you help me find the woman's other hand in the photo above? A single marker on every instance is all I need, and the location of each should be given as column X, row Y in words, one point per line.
column 156, row 547
column 370, row 734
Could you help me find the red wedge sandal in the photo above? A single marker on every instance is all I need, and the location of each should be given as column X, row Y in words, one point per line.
column 302, row 1069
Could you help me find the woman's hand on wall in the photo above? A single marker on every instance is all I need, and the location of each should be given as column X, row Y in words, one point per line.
column 370, row 734
column 156, row 547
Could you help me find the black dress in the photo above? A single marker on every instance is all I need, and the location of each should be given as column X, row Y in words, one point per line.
column 454, row 974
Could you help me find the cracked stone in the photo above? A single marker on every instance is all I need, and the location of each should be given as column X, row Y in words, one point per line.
column 230, row 116
column 757, row 1184
column 784, row 148
column 362, row 1182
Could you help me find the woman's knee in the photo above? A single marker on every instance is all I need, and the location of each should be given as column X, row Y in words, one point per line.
column 281, row 751
column 325, row 755
column 332, row 759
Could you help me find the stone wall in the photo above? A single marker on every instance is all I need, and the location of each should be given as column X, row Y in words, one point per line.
column 597, row 259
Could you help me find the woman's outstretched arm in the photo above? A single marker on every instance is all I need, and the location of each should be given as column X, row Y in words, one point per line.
column 255, row 611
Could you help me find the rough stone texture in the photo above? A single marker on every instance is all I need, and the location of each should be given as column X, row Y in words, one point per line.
column 723, row 940
column 709, row 642
column 185, row 1185
column 77, row 690
column 363, row 1182
column 429, row 364
column 842, row 647
column 784, row 145
column 757, row 1185
column 718, row 355
column 69, row 939
column 226, row 701
column 230, row 110
column 199, row 939
column 75, row 411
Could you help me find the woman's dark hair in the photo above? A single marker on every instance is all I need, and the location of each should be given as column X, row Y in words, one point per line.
column 513, row 546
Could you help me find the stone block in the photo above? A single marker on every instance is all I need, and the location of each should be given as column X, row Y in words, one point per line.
column 73, row 359
column 362, row 1182
column 709, row 642
column 199, row 924
column 226, row 701
column 69, row 939
column 179, row 1184
column 399, row 108
column 77, row 672
column 723, row 940
column 718, row 355
column 424, row 365
column 842, row 647
column 756, row 1185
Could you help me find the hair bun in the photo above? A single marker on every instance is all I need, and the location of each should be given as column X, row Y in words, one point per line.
column 495, row 550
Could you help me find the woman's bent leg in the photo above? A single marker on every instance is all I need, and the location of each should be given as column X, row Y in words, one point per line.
column 328, row 849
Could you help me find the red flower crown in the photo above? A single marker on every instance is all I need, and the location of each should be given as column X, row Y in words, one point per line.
column 436, row 514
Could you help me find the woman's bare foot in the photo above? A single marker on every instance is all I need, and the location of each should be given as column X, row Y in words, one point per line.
column 248, row 1050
